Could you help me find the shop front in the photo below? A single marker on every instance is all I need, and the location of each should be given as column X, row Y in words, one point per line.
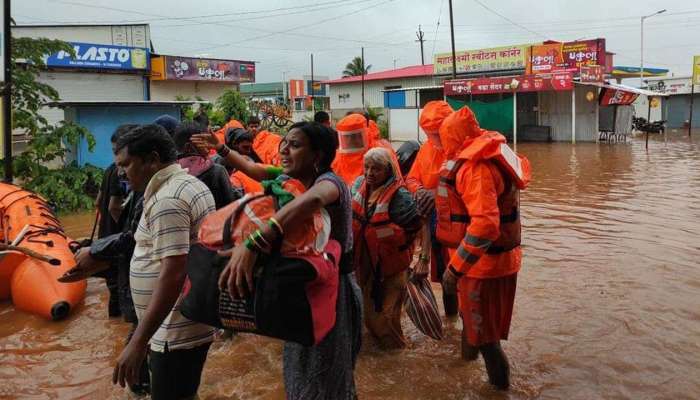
column 539, row 102
column 525, row 107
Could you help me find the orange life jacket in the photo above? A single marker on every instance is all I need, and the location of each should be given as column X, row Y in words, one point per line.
column 267, row 145
column 242, row 181
column 389, row 248
column 453, row 217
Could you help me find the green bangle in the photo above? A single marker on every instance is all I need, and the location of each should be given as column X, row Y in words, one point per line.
column 258, row 235
column 423, row 258
column 249, row 244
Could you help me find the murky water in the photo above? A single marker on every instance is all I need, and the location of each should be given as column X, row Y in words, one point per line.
column 608, row 303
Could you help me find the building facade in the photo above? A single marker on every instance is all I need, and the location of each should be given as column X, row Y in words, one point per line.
column 345, row 94
column 112, row 62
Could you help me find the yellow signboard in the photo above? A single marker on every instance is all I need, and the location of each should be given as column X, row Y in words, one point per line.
column 493, row 59
column 696, row 70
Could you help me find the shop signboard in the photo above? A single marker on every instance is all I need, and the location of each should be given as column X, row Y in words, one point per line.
column 569, row 56
column 201, row 69
column 591, row 73
column 526, row 83
column 483, row 60
column 696, row 70
column 101, row 56
column 611, row 97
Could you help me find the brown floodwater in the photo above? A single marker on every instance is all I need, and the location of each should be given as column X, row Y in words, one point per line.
column 608, row 303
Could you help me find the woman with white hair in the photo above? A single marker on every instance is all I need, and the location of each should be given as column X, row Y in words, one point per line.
column 385, row 223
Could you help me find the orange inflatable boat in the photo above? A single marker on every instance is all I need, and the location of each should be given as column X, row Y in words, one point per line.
column 34, row 253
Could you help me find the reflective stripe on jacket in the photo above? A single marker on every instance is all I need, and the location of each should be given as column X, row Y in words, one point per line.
column 478, row 216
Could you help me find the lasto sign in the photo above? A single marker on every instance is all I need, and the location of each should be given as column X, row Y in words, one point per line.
column 101, row 56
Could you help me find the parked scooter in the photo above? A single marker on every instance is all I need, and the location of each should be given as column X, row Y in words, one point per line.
column 642, row 125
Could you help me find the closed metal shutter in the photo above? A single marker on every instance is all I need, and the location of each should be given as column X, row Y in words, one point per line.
column 89, row 86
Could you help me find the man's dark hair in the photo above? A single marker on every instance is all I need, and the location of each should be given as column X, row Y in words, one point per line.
column 253, row 120
column 202, row 119
column 122, row 129
column 147, row 139
column 322, row 139
column 184, row 133
column 322, row 117
column 168, row 122
column 234, row 136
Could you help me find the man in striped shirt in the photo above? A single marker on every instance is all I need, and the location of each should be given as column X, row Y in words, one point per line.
column 174, row 204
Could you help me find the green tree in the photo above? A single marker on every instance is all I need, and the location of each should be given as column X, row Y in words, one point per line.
column 374, row 113
column 354, row 68
column 70, row 187
column 233, row 106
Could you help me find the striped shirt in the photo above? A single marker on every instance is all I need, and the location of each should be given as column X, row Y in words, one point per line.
column 174, row 205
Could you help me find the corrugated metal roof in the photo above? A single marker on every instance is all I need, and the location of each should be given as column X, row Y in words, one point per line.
column 405, row 72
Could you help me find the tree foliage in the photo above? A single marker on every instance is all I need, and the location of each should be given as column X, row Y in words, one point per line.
column 70, row 187
column 233, row 105
column 374, row 113
column 215, row 115
column 354, row 68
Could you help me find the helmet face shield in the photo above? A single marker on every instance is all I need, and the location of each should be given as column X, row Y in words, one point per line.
column 352, row 141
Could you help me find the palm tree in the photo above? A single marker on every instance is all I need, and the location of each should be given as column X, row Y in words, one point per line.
column 354, row 68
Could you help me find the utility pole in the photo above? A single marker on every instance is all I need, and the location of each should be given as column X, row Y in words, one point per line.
column 419, row 34
column 363, row 78
column 284, row 87
column 452, row 37
column 7, row 98
column 641, row 45
column 313, row 105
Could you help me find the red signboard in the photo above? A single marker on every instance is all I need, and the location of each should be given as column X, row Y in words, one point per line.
column 591, row 73
column 611, row 97
column 570, row 56
column 200, row 69
column 525, row 83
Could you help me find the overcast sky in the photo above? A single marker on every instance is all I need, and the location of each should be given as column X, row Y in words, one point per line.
column 280, row 35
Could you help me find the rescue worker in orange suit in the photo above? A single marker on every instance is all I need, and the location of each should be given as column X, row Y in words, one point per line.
column 356, row 135
column 385, row 221
column 422, row 181
column 265, row 143
column 478, row 208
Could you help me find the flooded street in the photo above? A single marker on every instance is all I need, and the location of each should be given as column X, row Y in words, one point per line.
column 608, row 303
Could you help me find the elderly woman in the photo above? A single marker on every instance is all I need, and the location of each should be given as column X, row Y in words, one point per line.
column 324, row 371
column 385, row 222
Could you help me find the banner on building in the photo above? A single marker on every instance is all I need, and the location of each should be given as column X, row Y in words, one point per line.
column 611, row 97
column 526, row 83
column 482, row 60
column 696, row 70
column 591, row 73
column 202, row 69
column 566, row 57
column 101, row 56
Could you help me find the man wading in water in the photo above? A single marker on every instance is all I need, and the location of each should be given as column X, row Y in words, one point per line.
column 477, row 201
column 174, row 203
